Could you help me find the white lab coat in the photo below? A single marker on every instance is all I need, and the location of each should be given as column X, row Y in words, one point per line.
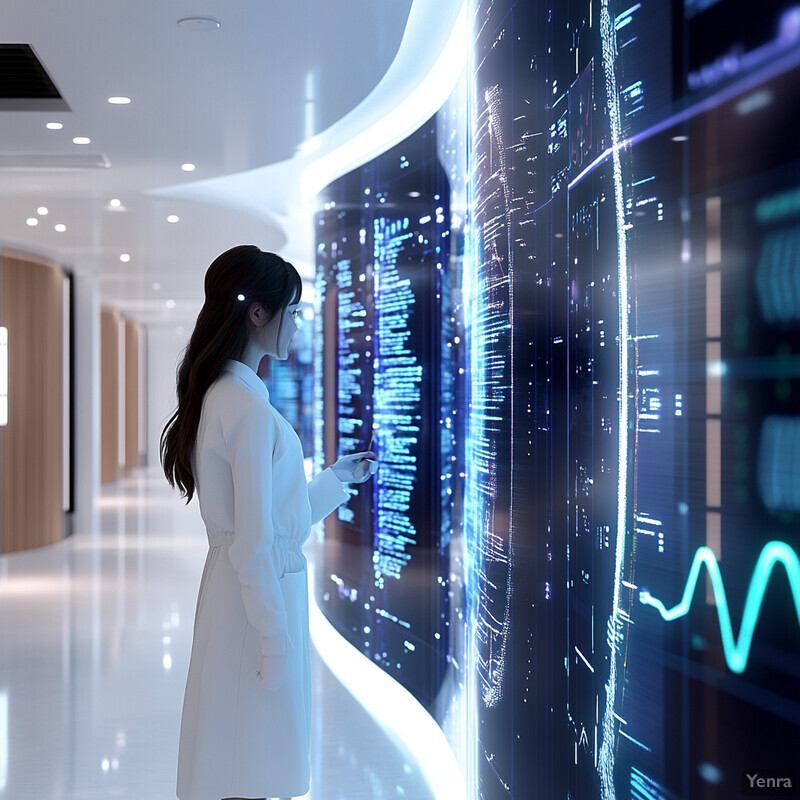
column 238, row 739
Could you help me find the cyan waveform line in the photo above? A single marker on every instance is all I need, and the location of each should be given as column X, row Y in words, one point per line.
column 736, row 653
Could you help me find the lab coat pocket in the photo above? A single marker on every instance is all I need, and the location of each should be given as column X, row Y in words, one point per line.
column 271, row 672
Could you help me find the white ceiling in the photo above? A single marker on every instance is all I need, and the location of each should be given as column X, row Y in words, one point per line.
column 231, row 101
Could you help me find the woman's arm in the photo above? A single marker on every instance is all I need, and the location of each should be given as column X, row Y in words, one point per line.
column 325, row 494
column 250, row 451
column 327, row 491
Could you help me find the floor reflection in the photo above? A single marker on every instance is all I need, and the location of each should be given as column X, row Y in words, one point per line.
column 95, row 635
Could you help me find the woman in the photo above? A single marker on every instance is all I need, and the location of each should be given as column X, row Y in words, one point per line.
column 245, row 729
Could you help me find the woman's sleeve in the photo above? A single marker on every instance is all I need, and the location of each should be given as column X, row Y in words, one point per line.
column 325, row 494
column 251, row 451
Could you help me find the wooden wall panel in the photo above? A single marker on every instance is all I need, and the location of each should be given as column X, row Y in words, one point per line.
column 132, row 335
column 109, row 395
column 31, row 444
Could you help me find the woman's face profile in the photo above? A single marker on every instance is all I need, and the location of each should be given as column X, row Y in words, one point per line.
column 276, row 336
column 291, row 320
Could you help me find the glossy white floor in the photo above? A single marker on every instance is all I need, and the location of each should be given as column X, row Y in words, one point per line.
column 95, row 635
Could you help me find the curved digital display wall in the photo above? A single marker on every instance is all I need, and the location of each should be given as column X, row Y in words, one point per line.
column 622, row 473
column 387, row 353
column 632, row 504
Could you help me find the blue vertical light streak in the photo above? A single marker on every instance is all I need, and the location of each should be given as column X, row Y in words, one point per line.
column 493, row 328
column 606, row 758
column 470, row 494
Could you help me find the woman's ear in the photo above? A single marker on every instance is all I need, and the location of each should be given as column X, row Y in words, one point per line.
column 256, row 315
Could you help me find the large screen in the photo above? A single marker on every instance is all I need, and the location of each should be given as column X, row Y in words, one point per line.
column 386, row 354
column 633, row 456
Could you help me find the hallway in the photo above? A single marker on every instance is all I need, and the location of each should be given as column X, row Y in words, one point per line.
column 95, row 634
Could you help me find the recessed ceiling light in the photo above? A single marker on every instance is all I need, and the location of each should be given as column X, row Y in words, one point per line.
column 199, row 23
column 54, row 126
column 42, row 211
column 680, row 138
column 32, row 221
column 61, row 227
column 119, row 101
column 81, row 140
column 173, row 218
column 170, row 304
column 188, row 167
column 124, row 258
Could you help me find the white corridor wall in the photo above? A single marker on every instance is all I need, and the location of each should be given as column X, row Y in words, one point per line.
column 165, row 344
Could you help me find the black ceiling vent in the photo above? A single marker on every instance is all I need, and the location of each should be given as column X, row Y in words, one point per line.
column 24, row 82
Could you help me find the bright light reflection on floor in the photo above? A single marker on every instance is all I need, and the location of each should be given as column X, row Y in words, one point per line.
column 96, row 634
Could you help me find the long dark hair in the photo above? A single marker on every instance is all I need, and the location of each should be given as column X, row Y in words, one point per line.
column 237, row 278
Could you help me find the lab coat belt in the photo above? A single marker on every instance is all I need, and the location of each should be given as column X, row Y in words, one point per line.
column 222, row 538
column 219, row 538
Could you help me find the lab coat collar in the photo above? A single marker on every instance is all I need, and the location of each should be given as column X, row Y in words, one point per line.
column 246, row 376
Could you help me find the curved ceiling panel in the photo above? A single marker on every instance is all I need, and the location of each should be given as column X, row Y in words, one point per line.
column 230, row 99
column 425, row 70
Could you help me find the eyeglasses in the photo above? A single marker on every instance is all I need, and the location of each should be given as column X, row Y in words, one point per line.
column 297, row 314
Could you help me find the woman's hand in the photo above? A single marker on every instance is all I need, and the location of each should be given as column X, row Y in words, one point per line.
column 356, row 467
column 271, row 671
